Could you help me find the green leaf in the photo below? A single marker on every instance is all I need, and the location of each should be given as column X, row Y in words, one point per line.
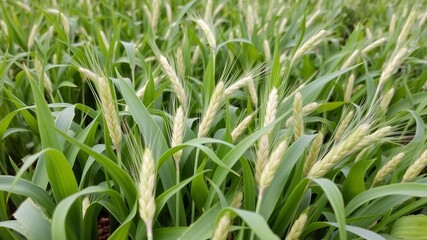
column 49, row 138
column 409, row 189
column 410, row 227
column 256, row 222
column 199, row 190
column 202, row 228
column 166, row 195
column 35, row 223
column 325, row 107
column 335, row 199
column 28, row 189
column 168, row 233
column 119, row 175
column 289, row 209
column 355, row 183
column 272, row 193
column 65, row 206
column 361, row 232
column 153, row 138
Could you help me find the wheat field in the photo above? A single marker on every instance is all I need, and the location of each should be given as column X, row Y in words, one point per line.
column 243, row 119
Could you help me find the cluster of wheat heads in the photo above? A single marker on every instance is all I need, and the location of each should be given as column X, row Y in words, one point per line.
column 213, row 119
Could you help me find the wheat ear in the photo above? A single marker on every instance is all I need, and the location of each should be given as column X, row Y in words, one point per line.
column 351, row 59
column 222, row 228
column 392, row 25
column 272, row 165
column 297, row 227
column 298, row 116
column 110, row 113
column 310, row 43
column 237, row 85
column 32, row 36
column 88, row 74
column 374, row 45
column 349, row 88
column 155, row 13
column 250, row 20
column 4, row 28
column 361, row 154
column 387, row 168
column 403, row 36
column 180, row 62
column 140, row 92
column 338, row 152
column 107, row 104
column 223, row 225
column 282, row 25
column 178, row 133
column 386, row 99
column 393, row 65
column 64, row 20
column 266, row 47
column 423, row 20
column 85, row 205
column 264, row 141
column 374, row 137
column 174, row 80
column 42, row 73
column 237, row 200
column 313, row 17
column 104, row 39
column 146, row 190
column 214, row 104
column 24, row 6
column 208, row 10
column 313, row 153
column 343, row 125
column 415, row 169
column 306, row 110
column 252, row 92
column 209, row 34
column 241, row 127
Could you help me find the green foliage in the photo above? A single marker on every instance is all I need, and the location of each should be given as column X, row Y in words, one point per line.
column 61, row 173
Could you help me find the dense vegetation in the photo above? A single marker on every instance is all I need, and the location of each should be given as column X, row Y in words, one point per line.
column 243, row 119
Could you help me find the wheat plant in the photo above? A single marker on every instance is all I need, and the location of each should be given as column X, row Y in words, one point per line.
column 213, row 119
